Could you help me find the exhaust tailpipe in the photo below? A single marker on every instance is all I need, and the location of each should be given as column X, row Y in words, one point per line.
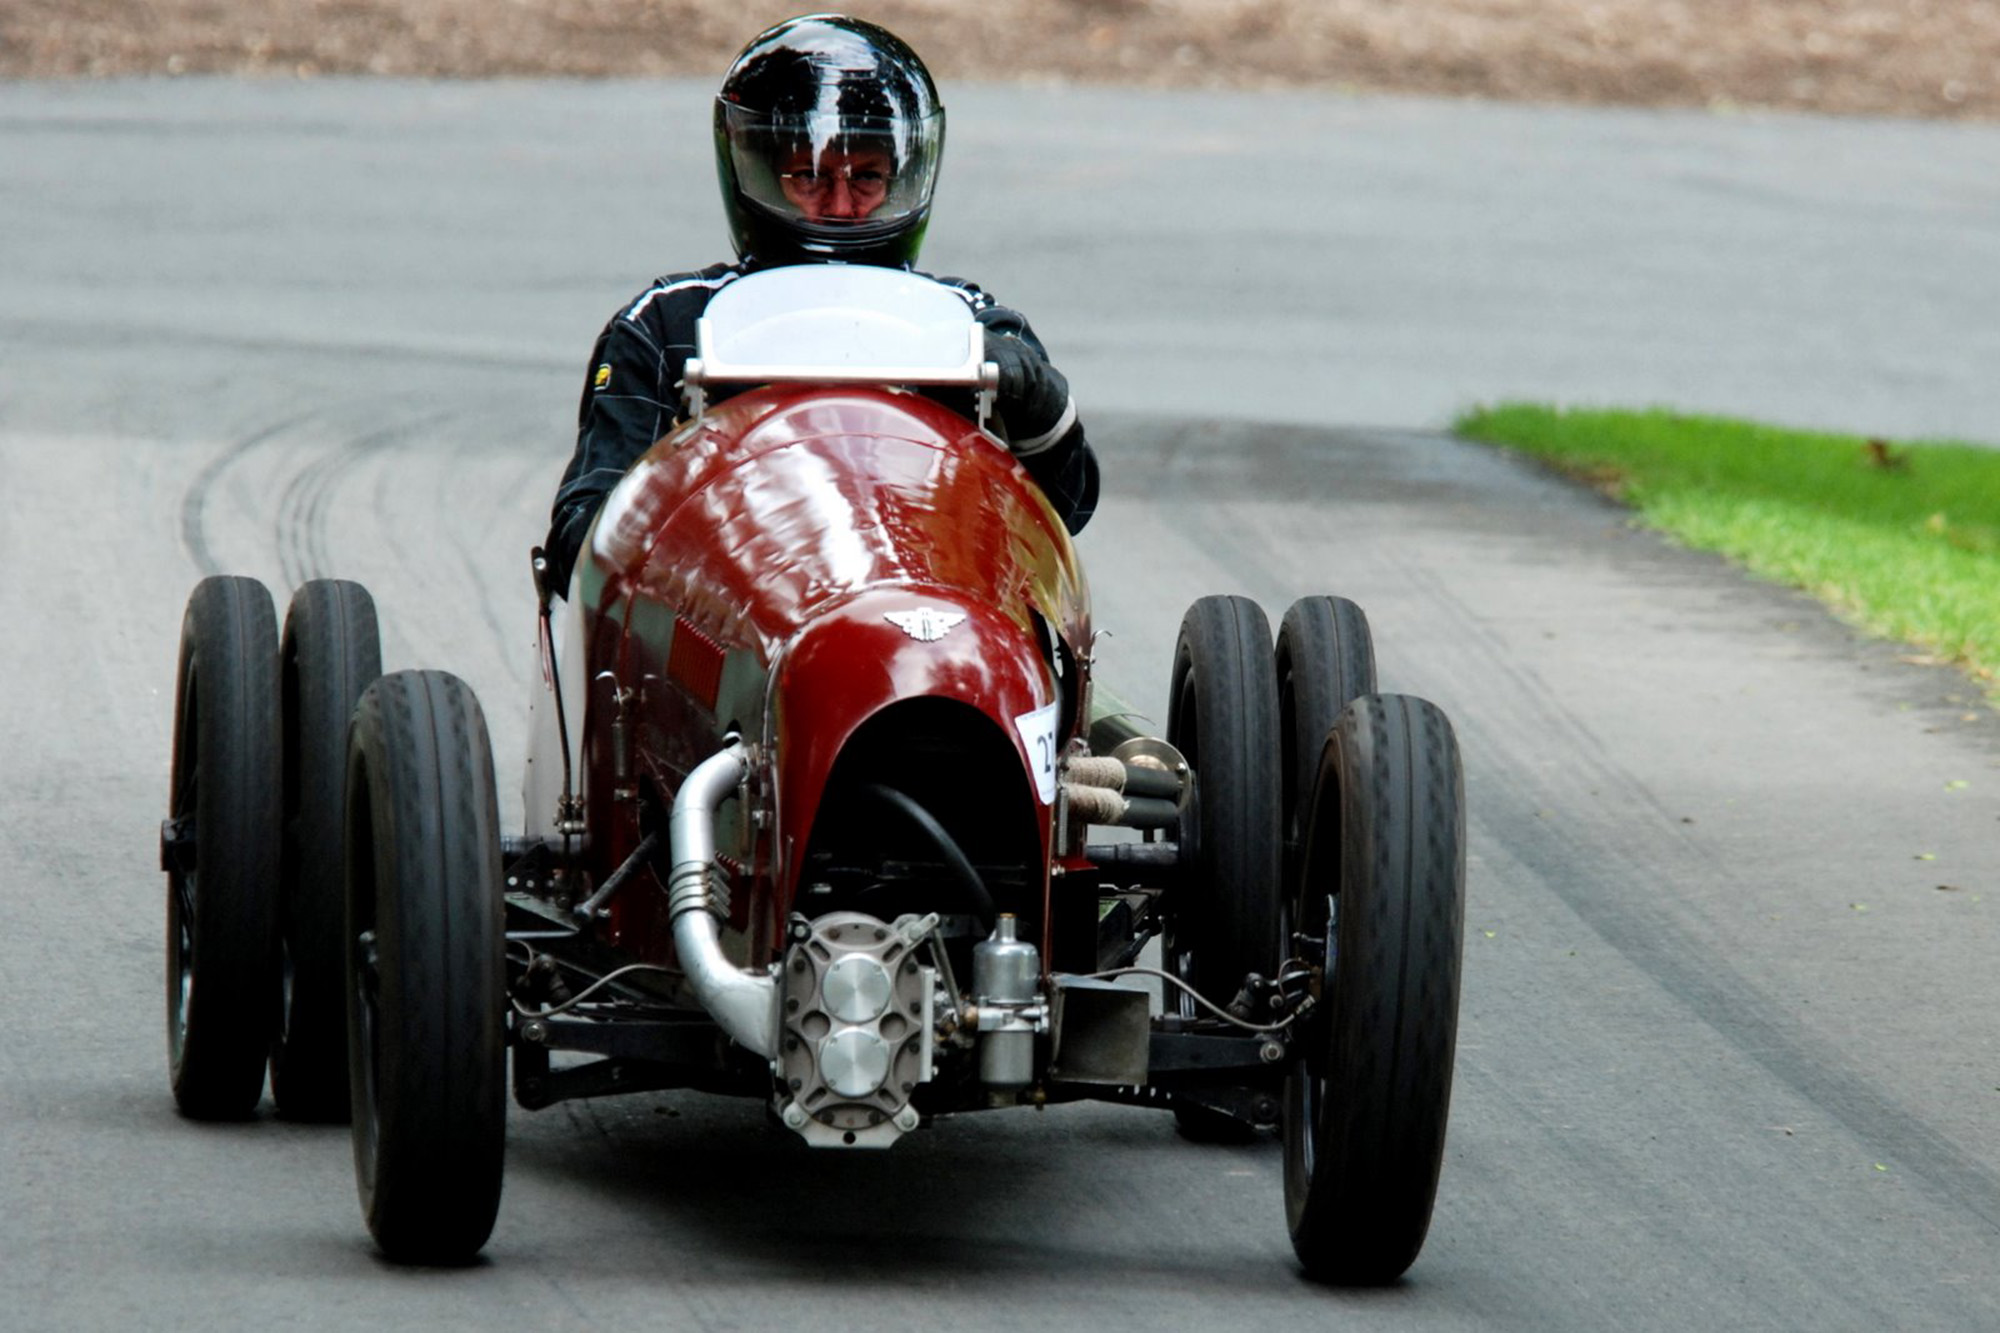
column 744, row 1004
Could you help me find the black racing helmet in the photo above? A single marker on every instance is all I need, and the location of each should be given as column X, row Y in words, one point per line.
column 828, row 132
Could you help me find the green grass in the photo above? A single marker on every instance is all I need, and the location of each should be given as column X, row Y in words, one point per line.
column 1902, row 539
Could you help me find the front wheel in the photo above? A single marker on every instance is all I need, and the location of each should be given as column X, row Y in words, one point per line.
column 1379, row 904
column 425, row 939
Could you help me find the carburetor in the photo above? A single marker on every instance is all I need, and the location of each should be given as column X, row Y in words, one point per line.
column 1009, row 1013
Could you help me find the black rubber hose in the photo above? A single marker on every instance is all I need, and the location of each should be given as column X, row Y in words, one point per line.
column 1150, row 812
column 947, row 847
column 1133, row 855
column 1152, row 782
column 633, row 864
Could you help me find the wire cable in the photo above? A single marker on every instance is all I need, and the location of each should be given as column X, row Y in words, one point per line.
column 588, row 991
column 1197, row 996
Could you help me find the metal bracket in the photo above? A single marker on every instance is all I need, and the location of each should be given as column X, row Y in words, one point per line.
column 826, row 1136
column 1201, row 1057
column 536, row 1088
column 177, row 845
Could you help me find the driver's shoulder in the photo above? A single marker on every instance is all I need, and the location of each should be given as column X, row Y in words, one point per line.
column 969, row 291
column 678, row 295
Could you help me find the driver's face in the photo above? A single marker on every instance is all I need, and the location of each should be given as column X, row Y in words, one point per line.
column 839, row 187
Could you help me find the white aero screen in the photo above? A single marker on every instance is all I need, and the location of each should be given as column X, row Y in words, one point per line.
column 839, row 322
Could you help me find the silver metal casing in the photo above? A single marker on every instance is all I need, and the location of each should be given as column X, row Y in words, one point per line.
column 1006, row 974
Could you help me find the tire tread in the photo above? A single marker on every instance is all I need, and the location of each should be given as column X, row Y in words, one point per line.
column 228, row 661
column 430, row 1187
column 331, row 650
column 1390, row 775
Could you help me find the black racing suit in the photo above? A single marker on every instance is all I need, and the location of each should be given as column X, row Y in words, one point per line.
column 632, row 397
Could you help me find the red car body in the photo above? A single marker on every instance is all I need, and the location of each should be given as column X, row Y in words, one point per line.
column 746, row 577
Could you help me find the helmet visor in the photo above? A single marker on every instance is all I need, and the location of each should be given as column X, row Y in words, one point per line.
column 832, row 173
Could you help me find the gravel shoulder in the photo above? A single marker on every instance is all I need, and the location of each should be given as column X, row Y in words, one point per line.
column 1930, row 58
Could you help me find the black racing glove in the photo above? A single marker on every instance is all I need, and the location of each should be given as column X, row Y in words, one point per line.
column 1034, row 396
column 564, row 544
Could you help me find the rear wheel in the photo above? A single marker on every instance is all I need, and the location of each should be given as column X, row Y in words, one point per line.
column 1224, row 918
column 219, row 848
column 1382, row 889
column 1223, row 716
column 1326, row 657
column 425, row 938
column 330, row 651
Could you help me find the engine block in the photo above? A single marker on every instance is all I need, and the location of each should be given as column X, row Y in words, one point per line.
column 858, row 1011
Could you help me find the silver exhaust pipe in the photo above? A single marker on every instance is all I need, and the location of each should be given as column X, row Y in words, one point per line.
column 744, row 1004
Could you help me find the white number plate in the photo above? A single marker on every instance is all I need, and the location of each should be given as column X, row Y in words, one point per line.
column 1038, row 735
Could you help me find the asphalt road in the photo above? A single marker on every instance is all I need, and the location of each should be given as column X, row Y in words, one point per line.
column 1727, row 1055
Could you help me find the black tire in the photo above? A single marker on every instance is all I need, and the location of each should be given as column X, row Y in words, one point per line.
column 220, row 851
column 425, row 937
column 1326, row 658
column 330, row 651
column 1222, row 715
column 1366, row 1104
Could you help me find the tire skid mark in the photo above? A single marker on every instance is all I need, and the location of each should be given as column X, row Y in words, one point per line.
column 395, row 493
column 435, row 525
column 194, row 501
column 1499, row 658
column 1632, row 839
column 1643, row 849
column 296, row 505
column 302, row 526
column 1773, row 1300
column 478, row 576
column 1181, row 467
column 1736, row 1010
column 521, row 657
column 447, row 497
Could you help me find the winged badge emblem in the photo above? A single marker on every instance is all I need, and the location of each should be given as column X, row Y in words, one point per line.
column 924, row 624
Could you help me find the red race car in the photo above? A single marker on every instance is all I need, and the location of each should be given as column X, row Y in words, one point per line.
column 821, row 812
